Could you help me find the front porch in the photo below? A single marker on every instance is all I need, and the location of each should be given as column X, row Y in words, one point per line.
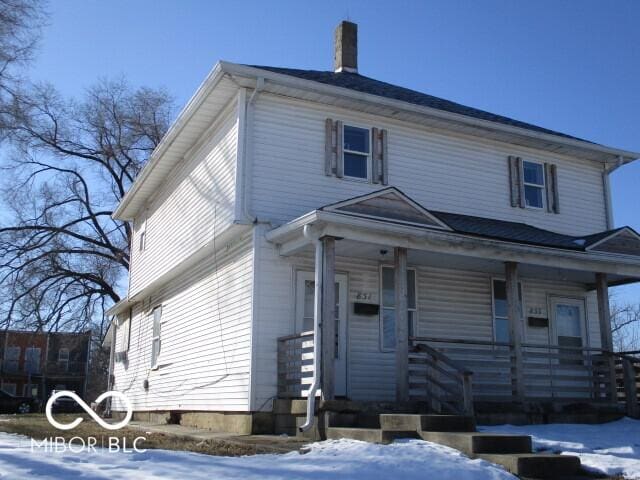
column 553, row 313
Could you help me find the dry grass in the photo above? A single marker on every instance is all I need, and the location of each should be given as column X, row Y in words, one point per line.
column 36, row 426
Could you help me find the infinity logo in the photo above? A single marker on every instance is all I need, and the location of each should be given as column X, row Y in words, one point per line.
column 109, row 426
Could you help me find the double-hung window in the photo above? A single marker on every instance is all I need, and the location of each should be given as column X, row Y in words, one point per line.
column 32, row 360
column 11, row 359
column 388, row 311
column 534, row 184
column 63, row 359
column 356, row 154
column 155, row 342
column 501, row 311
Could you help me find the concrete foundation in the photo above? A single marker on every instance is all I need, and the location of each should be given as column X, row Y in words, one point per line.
column 240, row 423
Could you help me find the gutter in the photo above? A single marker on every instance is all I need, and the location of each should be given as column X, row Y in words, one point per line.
column 245, row 153
column 606, row 185
column 317, row 333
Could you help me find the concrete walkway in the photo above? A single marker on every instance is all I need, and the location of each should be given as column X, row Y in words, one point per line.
column 263, row 443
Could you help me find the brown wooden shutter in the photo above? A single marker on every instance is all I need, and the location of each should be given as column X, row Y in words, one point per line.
column 384, row 157
column 339, row 148
column 551, row 183
column 329, row 149
column 376, row 171
column 515, row 182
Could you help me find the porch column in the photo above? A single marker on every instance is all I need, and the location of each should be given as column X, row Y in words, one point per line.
column 515, row 326
column 328, row 324
column 604, row 315
column 606, row 338
column 402, row 325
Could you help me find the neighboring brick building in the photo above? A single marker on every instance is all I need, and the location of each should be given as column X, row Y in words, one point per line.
column 34, row 364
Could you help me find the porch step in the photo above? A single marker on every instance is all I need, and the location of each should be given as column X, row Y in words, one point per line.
column 372, row 435
column 474, row 443
column 427, row 423
column 537, row 465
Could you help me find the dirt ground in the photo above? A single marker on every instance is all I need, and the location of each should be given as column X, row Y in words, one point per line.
column 37, row 427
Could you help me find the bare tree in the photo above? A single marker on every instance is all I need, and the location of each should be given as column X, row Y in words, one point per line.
column 62, row 256
column 625, row 325
column 21, row 23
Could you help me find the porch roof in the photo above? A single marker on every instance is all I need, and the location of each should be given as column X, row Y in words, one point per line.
column 389, row 218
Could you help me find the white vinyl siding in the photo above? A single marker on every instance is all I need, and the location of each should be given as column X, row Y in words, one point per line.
column 195, row 202
column 443, row 172
column 454, row 304
column 205, row 355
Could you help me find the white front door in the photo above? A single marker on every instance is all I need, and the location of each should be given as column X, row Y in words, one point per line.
column 569, row 322
column 305, row 298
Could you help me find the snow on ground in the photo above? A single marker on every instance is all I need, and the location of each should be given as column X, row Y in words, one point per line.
column 337, row 459
column 612, row 448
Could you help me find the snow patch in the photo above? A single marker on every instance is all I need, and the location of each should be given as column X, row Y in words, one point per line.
column 612, row 448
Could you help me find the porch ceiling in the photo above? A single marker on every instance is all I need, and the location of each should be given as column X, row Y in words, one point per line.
column 368, row 239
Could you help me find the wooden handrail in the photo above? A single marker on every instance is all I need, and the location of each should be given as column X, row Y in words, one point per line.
column 295, row 336
column 422, row 347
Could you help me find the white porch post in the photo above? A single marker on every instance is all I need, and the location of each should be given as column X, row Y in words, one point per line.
column 606, row 338
column 515, row 326
column 402, row 325
column 328, row 317
column 604, row 315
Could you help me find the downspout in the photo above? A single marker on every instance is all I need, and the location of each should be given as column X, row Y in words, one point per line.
column 317, row 333
column 606, row 184
column 245, row 120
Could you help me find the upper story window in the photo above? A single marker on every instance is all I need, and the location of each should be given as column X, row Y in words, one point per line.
column 534, row 184
column 356, row 152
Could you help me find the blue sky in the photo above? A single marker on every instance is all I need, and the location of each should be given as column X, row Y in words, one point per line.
column 568, row 66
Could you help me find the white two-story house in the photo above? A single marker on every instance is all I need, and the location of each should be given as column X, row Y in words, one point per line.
column 321, row 234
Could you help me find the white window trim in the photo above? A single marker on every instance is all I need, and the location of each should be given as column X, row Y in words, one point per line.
column 63, row 349
column 553, row 330
column 493, row 308
column 381, row 313
column 542, row 187
column 155, row 364
column 355, row 152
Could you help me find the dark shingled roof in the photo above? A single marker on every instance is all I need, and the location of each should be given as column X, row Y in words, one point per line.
column 360, row 83
column 512, row 231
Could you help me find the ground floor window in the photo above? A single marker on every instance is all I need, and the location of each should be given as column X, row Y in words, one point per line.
column 501, row 310
column 388, row 304
column 155, row 343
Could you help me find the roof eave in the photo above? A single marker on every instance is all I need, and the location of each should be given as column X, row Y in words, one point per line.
column 122, row 212
column 610, row 154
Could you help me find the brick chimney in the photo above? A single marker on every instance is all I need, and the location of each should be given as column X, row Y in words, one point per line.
column 346, row 48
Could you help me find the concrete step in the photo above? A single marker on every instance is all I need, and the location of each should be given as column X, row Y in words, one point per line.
column 473, row 443
column 537, row 465
column 372, row 435
column 427, row 423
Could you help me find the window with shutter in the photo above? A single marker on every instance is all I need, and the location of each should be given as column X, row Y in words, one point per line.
column 355, row 152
